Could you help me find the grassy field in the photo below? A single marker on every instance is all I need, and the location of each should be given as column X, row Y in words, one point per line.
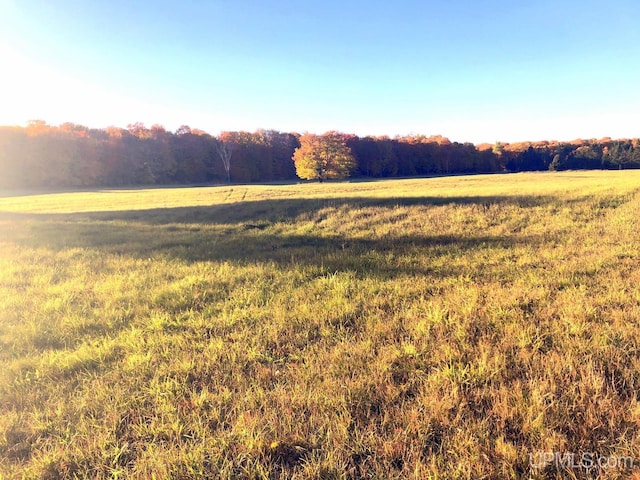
column 450, row 328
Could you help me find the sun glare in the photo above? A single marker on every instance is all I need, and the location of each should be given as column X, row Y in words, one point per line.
column 32, row 91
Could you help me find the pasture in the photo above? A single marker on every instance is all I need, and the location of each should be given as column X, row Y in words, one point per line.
column 451, row 328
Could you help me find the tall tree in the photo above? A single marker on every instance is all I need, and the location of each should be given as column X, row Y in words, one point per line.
column 323, row 157
column 225, row 151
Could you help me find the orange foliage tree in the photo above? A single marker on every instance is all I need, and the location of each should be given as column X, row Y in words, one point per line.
column 323, row 157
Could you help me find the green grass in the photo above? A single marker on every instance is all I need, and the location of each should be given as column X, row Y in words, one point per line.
column 432, row 328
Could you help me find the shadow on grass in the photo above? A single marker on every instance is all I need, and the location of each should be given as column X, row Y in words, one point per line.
column 290, row 209
column 252, row 232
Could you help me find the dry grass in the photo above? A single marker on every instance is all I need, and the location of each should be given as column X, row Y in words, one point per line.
column 435, row 328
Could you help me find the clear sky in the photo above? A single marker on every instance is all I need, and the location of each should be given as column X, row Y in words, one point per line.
column 471, row 70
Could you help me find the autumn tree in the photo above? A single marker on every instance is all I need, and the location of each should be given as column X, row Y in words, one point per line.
column 70, row 155
column 322, row 157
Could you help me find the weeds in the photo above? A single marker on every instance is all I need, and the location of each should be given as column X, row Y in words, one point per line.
column 434, row 328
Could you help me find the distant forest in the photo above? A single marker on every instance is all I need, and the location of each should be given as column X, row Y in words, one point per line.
column 70, row 155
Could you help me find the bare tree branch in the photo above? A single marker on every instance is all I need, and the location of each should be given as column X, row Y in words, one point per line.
column 225, row 150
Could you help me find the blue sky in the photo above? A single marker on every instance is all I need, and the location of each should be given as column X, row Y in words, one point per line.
column 478, row 71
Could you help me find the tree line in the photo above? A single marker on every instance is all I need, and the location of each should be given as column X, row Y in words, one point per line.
column 70, row 155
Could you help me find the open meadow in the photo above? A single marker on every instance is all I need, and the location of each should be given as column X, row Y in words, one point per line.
column 451, row 328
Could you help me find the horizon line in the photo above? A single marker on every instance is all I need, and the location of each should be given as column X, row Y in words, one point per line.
column 302, row 132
